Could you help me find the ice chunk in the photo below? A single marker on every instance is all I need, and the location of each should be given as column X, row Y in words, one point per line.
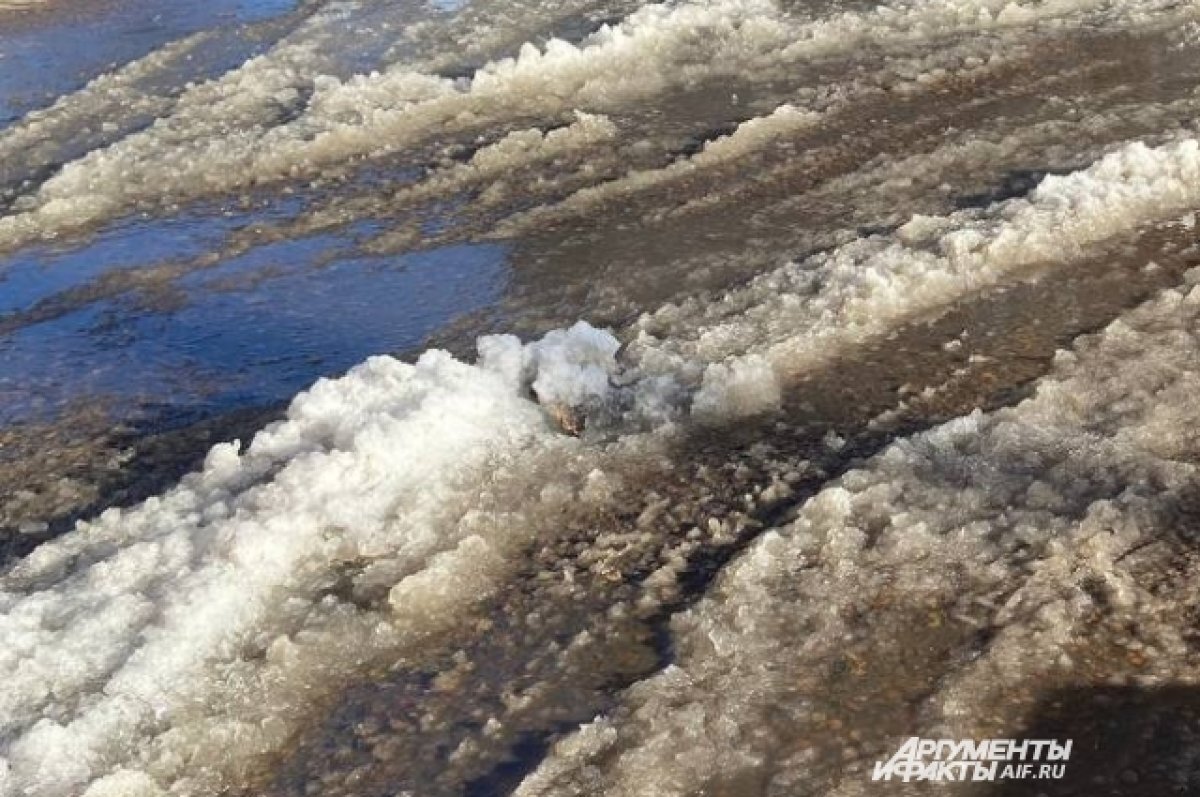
column 572, row 366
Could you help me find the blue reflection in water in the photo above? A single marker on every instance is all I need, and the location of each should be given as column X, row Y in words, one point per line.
column 41, row 272
column 42, row 60
column 254, row 330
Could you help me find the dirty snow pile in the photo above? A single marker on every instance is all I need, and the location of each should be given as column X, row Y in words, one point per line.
column 174, row 638
column 804, row 315
column 282, row 115
column 1023, row 521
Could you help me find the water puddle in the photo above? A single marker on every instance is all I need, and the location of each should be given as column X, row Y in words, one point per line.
column 43, row 58
column 253, row 329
